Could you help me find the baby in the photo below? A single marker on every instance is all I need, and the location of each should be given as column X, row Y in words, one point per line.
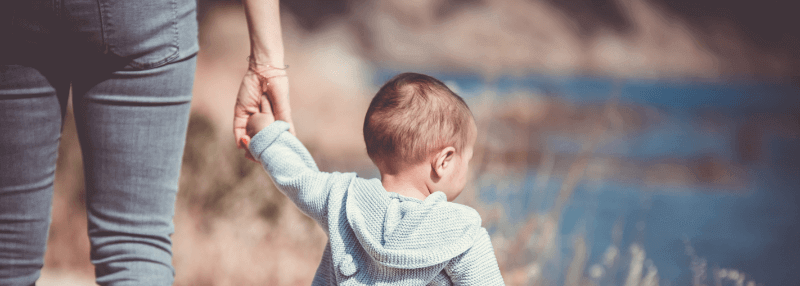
column 401, row 229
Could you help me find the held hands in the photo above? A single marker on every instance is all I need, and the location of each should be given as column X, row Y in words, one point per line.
column 265, row 87
column 263, row 97
column 258, row 122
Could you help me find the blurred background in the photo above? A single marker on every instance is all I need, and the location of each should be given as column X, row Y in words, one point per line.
column 622, row 142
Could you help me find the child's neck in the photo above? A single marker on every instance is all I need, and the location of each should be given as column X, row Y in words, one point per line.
column 410, row 182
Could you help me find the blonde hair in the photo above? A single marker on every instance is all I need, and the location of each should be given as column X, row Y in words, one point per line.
column 412, row 116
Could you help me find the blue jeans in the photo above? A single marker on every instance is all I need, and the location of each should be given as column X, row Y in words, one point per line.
column 130, row 66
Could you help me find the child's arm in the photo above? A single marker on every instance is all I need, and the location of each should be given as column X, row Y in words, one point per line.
column 291, row 166
column 476, row 266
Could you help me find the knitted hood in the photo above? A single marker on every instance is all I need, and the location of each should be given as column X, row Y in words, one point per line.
column 409, row 233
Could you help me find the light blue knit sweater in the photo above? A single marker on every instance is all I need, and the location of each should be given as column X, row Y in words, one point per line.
column 377, row 237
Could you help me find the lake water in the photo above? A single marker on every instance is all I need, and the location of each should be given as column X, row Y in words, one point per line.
column 752, row 227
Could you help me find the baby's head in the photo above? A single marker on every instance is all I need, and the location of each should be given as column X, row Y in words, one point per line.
column 415, row 119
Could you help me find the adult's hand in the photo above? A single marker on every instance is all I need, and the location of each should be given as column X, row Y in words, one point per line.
column 265, row 84
column 260, row 92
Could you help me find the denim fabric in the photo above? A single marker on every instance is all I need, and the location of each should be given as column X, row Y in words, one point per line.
column 130, row 66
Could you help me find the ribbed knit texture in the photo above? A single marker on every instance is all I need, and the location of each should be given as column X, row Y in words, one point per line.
column 377, row 237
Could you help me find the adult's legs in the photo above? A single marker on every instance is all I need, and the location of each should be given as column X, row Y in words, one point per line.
column 132, row 130
column 132, row 127
column 33, row 96
column 131, row 66
column 131, row 105
column 30, row 127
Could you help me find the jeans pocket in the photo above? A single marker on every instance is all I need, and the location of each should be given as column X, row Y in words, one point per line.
column 145, row 32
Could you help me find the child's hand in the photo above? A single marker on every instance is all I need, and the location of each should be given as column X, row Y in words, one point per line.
column 255, row 123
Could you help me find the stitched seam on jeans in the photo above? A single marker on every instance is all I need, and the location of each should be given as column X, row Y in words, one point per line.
column 102, row 10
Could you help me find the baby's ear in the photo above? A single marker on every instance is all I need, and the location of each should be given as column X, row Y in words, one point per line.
column 443, row 161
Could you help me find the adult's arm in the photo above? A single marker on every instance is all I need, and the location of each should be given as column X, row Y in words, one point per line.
column 265, row 81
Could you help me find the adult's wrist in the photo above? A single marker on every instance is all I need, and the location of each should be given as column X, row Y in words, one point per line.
column 266, row 56
column 266, row 66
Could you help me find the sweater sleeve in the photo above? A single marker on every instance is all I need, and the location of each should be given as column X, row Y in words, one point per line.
column 476, row 266
column 293, row 171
